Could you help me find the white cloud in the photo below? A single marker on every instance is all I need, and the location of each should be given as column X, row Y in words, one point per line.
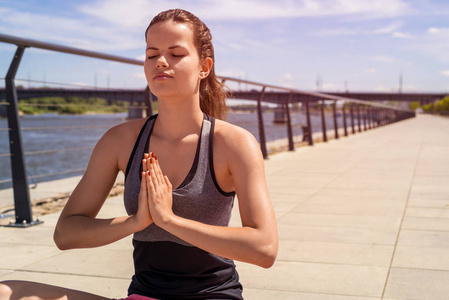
column 402, row 35
column 287, row 76
column 329, row 86
column 436, row 43
column 382, row 88
column 79, row 32
column 80, row 83
column 444, row 73
column 140, row 75
column 136, row 12
column 340, row 31
column 439, row 31
column 383, row 58
column 371, row 71
column 141, row 57
column 389, row 28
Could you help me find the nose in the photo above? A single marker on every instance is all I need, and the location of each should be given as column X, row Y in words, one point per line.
column 161, row 63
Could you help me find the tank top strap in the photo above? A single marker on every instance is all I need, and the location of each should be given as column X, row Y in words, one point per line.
column 134, row 163
column 203, row 167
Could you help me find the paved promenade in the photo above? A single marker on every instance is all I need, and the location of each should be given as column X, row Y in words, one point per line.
column 365, row 217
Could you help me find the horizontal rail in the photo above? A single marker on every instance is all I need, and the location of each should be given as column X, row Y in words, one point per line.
column 47, row 175
column 62, row 127
column 313, row 94
column 58, row 173
column 70, row 50
column 57, row 150
column 74, row 105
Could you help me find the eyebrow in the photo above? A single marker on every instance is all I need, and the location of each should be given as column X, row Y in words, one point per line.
column 170, row 48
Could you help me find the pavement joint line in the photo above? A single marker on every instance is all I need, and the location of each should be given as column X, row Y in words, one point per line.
column 424, row 268
column 70, row 274
column 404, row 211
column 338, row 227
column 316, row 293
column 346, row 243
column 338, row 264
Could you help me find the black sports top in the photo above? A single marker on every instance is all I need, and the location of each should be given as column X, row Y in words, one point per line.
column 167, row 267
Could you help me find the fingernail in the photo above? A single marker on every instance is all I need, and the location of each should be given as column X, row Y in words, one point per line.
column 155, row 156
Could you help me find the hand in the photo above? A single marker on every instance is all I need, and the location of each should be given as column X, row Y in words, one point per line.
column 159, row 189
column 143, row 216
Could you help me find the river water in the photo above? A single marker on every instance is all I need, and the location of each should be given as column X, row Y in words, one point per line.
column 53, row 132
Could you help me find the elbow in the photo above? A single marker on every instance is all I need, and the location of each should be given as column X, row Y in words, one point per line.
column 268, row 255
column 61, row 242
column 269, row 259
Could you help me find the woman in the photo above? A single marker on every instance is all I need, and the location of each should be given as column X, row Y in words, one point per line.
column 180, row 184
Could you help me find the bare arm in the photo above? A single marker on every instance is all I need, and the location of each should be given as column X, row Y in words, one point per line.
column 256, row 241
column 78, row 226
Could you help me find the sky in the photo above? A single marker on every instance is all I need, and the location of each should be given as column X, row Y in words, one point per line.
column 325, row 45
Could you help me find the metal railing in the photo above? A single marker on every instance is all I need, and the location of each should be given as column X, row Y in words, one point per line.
column 371, row 114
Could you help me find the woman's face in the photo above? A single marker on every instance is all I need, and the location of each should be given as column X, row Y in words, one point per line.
column 172, row 65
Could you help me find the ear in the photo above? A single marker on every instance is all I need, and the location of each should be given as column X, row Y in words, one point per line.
column 206, row 67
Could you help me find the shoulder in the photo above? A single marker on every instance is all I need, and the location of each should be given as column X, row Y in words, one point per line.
column 235, row 142
column 118, row 141
column 123, row 132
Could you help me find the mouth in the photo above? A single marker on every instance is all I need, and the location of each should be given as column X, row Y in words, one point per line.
column 162, row 76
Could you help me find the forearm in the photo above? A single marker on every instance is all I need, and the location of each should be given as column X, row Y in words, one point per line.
column 79, row 231
column 247, row 244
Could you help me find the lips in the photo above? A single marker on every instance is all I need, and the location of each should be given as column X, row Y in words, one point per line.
column 162, row 76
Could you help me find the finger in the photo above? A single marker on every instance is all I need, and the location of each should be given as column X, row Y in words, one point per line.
column 157, row 173
column 149, row 161
column 144, row 165
column 159, row 170
column 149, row 183
column 144, row 162
column 167, row 182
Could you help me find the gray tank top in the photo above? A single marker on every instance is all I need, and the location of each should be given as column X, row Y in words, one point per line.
column 198, row 198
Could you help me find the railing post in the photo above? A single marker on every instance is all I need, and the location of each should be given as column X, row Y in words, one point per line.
column 334, row 108
column 376, row 117
column 263, row 144
column 291, row 145
column 22, row 203
column 351, row 109
column 323, row 121
column 359, row 121
column 364, row 112
column 368, row 122
column 309, row 124
column 149, row 101
column 344, row 119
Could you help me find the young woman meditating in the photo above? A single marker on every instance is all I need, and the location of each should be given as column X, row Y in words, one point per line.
column 183, row 168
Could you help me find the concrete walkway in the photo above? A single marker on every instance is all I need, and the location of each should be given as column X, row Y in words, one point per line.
column 365, row 217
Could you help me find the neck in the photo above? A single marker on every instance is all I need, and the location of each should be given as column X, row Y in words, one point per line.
column 178, row 119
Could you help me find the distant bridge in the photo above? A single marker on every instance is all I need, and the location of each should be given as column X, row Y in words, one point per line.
column 280, row 97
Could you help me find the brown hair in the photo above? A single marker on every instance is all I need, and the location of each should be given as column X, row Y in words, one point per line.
column 212, row 92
